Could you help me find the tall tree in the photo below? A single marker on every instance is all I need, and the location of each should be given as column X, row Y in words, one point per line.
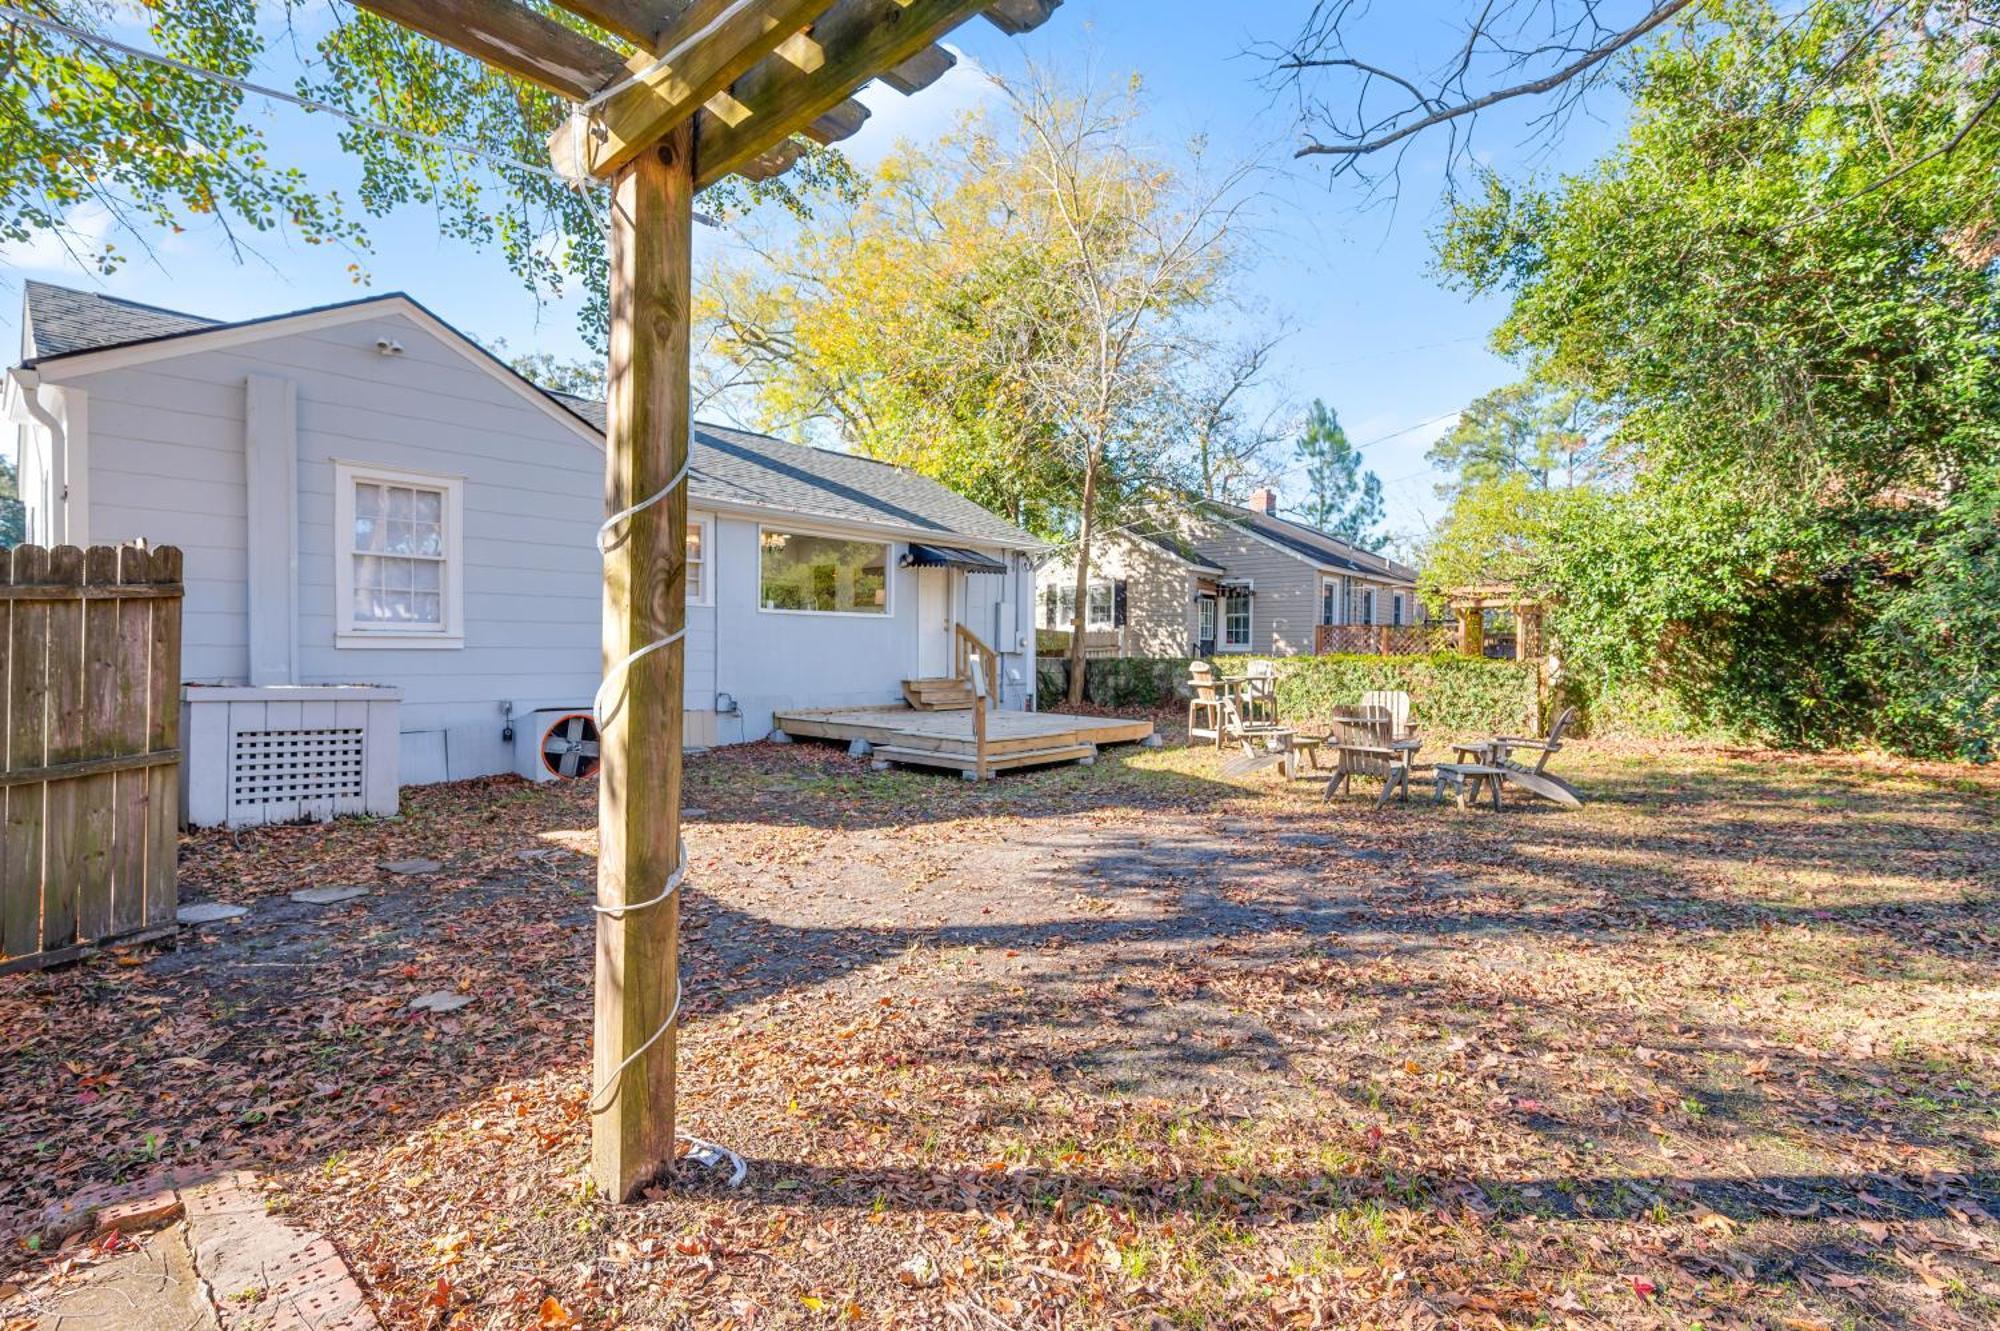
column 1549, row 436
column 1341, row 498
column 1018, row 311
column 1782, row 286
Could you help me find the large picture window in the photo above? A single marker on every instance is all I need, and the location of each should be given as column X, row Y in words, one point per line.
column 398, row 546
column 1236, row 620
column 826, row 575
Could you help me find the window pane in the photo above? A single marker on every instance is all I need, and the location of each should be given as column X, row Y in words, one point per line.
column 695, row 563
column 429, row 506
column 428, row 574
column 824, row 574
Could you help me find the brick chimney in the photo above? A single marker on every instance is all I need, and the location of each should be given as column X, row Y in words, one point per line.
column 1265, row 500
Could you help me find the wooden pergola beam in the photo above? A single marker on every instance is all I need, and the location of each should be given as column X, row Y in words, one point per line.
column 842, row 122
column 639, row 22
column 706, row 48
column 920, row 71
column 511, row 38
column 858, row 39
column 1015, row 17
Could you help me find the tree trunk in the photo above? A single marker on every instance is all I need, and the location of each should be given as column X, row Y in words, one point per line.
column 1076, row 665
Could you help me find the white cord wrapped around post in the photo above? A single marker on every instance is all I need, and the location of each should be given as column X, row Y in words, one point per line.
column 706, row 1151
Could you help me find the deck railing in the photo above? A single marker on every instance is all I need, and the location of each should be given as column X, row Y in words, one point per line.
column 982, row 682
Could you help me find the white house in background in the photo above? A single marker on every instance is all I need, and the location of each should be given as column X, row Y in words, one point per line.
column 367, row 497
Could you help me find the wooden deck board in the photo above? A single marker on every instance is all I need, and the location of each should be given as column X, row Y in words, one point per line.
column 950, row 733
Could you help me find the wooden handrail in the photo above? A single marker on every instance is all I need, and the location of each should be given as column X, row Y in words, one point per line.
column 968, row 642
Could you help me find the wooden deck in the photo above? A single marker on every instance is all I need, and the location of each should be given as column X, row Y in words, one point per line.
column 944, row 739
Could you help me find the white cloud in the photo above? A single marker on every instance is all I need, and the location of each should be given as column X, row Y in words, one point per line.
column 56, row 250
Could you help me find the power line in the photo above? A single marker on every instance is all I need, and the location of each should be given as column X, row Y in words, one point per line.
column 307, row 103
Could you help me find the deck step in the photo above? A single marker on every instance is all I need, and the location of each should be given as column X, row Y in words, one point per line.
column 937, row 695
column 999, row 762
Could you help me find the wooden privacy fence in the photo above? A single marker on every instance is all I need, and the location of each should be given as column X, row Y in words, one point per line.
column 92, row 655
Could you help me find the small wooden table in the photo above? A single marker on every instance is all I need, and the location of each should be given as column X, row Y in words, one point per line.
column 1465, row 779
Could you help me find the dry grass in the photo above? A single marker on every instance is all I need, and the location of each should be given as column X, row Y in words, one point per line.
column 1124, row 1047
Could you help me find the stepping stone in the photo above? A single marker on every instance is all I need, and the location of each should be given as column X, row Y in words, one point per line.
column 443, row 1000
column 209, row 912
column 409, row 868
column 327, row 896
column 690, row 814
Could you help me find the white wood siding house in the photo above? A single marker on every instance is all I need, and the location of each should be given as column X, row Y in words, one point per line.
column 1220, row 579
column 366, row 497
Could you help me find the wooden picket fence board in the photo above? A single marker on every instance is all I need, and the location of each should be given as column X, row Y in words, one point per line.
column 90, row 650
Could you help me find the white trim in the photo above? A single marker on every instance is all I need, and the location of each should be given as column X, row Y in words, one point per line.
column 75, row 480
column 704, row 595
column 348, row 633
column 1236, row 591
column 54, row 369
column 888, row 612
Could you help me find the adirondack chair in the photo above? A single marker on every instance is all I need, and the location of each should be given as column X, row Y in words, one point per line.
column 1396, row 703
column 1363, row 746
column 1537, row 780
column 1204, row 704
column 1258, row 694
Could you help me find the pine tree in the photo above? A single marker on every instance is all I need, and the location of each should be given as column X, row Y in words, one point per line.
column 1341, row 498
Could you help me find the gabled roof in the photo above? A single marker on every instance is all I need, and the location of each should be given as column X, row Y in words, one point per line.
column 729, row 466
column 1311, row 543
column 1180, row 550
column 60, row 320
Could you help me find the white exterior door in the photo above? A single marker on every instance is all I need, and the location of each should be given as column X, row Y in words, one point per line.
column 934, row 655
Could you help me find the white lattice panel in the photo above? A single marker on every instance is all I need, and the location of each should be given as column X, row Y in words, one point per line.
column 295, row 768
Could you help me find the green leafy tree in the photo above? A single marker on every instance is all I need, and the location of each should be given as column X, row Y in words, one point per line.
column 1781, row 288
column 1341, row 498
column 157, row 149
column 1525, row 429
column 13, row 517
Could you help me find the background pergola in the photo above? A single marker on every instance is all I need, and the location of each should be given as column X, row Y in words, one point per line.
column 712, row 87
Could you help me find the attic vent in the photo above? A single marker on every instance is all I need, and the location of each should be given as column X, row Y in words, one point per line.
column 296, row 769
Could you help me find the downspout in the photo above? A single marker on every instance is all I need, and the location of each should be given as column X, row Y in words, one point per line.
column 30, row 383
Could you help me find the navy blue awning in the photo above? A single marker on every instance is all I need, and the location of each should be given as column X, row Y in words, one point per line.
column 951, row 556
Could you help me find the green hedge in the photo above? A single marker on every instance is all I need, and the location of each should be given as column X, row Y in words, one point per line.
column 1449, row 694
column 1131, row 681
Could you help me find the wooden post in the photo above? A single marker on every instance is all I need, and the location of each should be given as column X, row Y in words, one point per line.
column 1471, row 631
column 645, row 598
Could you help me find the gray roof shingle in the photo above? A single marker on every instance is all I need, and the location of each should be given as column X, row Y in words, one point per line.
column 1313, row 543
column 60, row 320
column 730, row 466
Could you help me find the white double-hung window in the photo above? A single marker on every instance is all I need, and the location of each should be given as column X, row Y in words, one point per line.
column 1235, row 619
column 398, row 540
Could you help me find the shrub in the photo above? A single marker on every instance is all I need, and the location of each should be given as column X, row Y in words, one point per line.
column 1450, row 694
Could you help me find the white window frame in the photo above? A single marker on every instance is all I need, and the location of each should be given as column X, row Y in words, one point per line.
column 1110, row 621
column 888, row 614
column 1223, row 642
column 348, row 632
column 1396, row 610
column 702, row 592
column 1337, row 589
column 1368, row 605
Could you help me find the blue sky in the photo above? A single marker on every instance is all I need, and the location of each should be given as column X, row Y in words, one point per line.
column 1376, row 337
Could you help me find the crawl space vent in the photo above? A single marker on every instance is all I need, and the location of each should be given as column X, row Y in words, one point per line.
column 294, row 768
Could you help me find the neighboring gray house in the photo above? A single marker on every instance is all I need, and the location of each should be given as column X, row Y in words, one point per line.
column 367, row 497
column 1220, row 578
